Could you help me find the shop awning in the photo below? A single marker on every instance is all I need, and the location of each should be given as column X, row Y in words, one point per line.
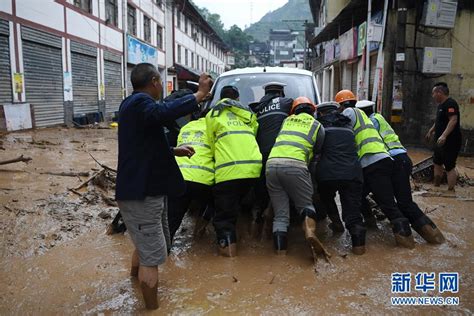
column 352, row 15
column 186, row 73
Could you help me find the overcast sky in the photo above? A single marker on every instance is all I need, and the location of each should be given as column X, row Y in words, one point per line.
column 239, row 11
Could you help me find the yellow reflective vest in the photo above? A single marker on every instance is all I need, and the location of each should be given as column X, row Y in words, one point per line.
column 297, row 138
column 199, row 167
column 390, row 138
column 231, row 130
column 367, row 138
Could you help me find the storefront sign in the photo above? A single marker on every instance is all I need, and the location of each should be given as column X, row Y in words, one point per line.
column 18, row 79
column 328, row 52
column 139, row 52
column 361, row 39
column 347, row 45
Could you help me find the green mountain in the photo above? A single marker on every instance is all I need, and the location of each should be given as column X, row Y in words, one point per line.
column 292, row 10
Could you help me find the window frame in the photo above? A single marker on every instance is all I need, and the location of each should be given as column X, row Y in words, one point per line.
column 146, row 28
column 81, row 4
column 131, row 8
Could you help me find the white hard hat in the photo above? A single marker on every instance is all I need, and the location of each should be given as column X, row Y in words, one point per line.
column 364, row 104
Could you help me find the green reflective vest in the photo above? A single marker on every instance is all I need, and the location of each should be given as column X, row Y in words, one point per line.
column 231, row 130
column 199, row 167
column 367, row 138
column 297, row 138
column 390, row 138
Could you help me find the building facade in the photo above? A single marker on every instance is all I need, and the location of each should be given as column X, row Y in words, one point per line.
column 282, row 45
column 70, row 60
column 406, row 55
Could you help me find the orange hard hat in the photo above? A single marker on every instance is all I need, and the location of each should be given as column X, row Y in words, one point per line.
column 345, row 95
column 300, row 101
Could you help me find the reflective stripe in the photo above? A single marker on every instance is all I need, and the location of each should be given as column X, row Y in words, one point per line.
column 394, row 145
column 313, row 130
column 233, row 132
column 299, row 134
column 196, row 167
column 241, row 162
column 388, row 132
column 370, row 140
column 272, row 113
column 195, row 144
column 295, row 144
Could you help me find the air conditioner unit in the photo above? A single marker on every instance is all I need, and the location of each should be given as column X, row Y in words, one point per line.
column 439, row 13
column 437, row 60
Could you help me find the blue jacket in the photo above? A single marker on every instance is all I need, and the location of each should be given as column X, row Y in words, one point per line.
column 146, row 164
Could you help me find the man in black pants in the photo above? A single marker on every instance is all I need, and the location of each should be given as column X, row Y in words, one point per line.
column 447, row 134
column 339, row 170
column 271, row 111
column 402, row 167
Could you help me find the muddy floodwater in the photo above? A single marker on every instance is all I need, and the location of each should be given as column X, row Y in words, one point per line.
column 56, row 258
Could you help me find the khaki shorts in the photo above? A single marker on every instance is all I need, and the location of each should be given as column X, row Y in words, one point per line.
column 147, row 224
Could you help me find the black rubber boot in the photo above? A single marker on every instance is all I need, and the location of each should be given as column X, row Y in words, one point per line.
column 357, row 233
column 402, row 232
column 428, row 230
column 227, row 244
column 280, row 242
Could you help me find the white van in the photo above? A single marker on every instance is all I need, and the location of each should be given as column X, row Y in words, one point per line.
column 249, row 81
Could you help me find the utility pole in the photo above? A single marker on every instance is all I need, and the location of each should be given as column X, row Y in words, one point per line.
column 367, row 50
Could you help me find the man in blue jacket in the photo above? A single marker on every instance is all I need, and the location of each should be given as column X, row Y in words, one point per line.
column 147, row 171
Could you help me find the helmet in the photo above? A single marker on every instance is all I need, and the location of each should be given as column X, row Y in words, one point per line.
column 331, row 105
column 365, row 104
column 275, row 87
column 345, row 95
column 230, row 92
column 301, row 101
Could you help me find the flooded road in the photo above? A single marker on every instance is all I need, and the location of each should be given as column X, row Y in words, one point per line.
column 56, row 259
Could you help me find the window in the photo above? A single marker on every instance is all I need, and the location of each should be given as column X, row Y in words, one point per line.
column 159, row 36
column 193, row 35
column 132, row 20
column 197, row 62
column 178, row 19
column 159, row 3
column 192, row 60
column 111, row 12
column 179, row 54
column 85, row 5
column 146, row 29
column 202, row 38
column 185, row 25
column 185, row 56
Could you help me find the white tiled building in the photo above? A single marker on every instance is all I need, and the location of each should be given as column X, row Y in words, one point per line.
column 65, row 59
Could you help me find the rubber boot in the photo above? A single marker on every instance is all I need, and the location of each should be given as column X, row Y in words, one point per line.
column 280, row 243
column 227, row 244
column 256, row 225
column 357, row 233
column 150, row 295
column 402, row 232
column 428, row 230
column 309, row 229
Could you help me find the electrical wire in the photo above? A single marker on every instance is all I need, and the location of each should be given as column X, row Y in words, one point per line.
column 461, row 43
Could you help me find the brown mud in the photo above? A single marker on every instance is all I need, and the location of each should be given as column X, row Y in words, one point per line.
column 56, row 258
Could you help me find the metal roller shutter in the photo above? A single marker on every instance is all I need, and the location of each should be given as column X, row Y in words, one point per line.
column 84, row 78
column 354, row 78
column 43, row 73
column 6, row 94
column 113, row 82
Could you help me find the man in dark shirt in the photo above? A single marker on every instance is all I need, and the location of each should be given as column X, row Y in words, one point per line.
column 147, row 172
column 447, row 135
column 272, row 109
